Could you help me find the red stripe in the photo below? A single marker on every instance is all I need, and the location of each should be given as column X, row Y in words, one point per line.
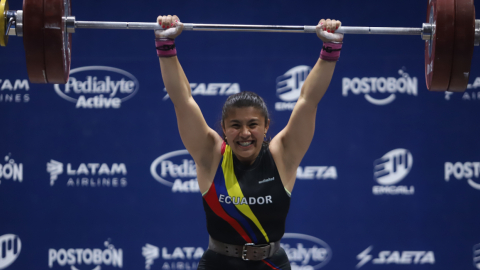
column 273, row 267
column 212, row 201
column 224, row 144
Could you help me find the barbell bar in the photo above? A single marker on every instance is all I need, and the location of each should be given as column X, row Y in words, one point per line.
column 450, row 34
column 245, row 28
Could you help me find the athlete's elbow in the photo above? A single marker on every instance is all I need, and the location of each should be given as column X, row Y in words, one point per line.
column 306, row 102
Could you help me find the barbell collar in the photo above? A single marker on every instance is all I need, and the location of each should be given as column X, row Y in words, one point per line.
column 19, row 23
column 70, row 23
column 10, row 18
column 14, row 20
column 10, row 28
column 427, row 31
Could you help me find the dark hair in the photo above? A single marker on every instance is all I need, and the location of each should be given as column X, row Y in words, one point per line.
column 242, row 100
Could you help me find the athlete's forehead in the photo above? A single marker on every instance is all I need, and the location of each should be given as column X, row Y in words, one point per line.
column 244, row 114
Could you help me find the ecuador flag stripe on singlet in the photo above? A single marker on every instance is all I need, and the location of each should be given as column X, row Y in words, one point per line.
column 230, row 208
column 270, row 263
column 212, row 199
column 234, row 190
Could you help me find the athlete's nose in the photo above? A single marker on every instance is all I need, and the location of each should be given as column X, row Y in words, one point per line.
column 245, row 132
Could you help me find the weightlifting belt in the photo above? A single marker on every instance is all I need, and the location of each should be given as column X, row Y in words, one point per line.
column 248, row 252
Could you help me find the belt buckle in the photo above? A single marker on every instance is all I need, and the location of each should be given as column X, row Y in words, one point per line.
column 244, row 251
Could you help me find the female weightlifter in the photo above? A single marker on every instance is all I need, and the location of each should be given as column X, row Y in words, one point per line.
column 246, row 182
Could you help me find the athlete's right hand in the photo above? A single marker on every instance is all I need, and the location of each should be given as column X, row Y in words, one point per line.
column 326, row 30
column 171, row 27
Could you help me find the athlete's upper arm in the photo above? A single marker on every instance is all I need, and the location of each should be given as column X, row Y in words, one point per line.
column 293, row 141
column 200, row 140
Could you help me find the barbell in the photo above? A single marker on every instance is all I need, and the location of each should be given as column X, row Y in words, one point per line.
column 450, row 34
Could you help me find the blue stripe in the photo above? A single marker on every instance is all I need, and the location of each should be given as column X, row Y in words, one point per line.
column 270, row 262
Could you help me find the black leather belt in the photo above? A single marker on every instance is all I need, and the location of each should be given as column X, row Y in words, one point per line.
column 248, row 252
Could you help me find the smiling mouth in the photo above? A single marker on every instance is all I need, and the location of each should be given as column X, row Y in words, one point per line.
column 245, row 144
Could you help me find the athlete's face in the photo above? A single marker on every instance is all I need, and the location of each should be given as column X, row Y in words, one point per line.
column 245, row 129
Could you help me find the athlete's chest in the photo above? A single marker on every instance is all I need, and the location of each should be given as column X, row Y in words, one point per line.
column 257, row 187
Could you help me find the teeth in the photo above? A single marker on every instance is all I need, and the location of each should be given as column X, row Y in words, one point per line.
column 245, row 143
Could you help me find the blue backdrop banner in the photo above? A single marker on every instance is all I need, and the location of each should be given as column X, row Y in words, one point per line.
column 94, row 175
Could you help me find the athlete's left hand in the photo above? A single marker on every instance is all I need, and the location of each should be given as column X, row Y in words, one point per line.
column 172, row 27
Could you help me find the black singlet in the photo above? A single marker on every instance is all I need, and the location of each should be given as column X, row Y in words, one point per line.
column 246, row 204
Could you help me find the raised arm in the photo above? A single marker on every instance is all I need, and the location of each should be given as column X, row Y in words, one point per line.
column 291, row 144
column 200, row 140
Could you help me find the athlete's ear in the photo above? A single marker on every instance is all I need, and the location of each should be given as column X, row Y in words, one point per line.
column 267, row 125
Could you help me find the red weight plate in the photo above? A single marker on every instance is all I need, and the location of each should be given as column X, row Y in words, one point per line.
column 57, row 40
column 463, row 46
column 33, row 40
column 439, row 49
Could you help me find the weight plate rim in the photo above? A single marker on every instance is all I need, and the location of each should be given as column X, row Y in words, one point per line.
column 57, row 41
column 464, row 45
column 438, row 67
column 33, row 40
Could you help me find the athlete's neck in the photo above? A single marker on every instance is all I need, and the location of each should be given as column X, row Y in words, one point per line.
column 248, row 161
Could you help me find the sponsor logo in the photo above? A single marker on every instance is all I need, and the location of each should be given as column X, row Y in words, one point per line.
column 266, row 180
column 390, row 169
column 151, row 253
column 466, row 170
column 306, row 252
column 14, row 91
column 317, row 172
column 475, row 84
column 89, row 174
column 211, row 89
column 476, row 256
column 472, row 93
column 172, row 258
column 11, row 170
column 98, row 87
column 289, row 86
column 396, row 257
column 381, row 90
column 467, row 95
column 54, row 168
column 10, row 247
column 176, row 170
column 77, row 257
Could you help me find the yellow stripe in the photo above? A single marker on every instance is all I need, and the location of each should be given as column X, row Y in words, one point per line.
column 234, row 190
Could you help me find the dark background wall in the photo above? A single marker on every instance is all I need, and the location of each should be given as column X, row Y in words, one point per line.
column 83, row 188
